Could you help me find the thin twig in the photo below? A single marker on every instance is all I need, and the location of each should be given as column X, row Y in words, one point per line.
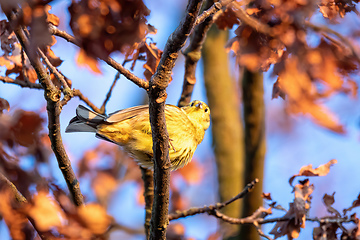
column 261, row 233
column 192, row 55
column 68, row 94
column 262, row 221
column 108, row 95
column 80, row 95
column 217, row 6
column 211, row 208
column 110, row 61
column 20, row 83
column 253, row 22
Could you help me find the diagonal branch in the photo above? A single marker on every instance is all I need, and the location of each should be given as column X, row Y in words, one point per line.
column 23, row 84
column 52, row 96
column 110, row 61
column 217, row 6
column 68, row 94
column 157, row 96
column 210, row 209
column 192, row 56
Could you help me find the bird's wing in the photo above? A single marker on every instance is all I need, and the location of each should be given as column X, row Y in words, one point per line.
column 127, row 113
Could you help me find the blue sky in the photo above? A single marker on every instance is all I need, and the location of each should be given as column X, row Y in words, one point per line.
column 287, row 150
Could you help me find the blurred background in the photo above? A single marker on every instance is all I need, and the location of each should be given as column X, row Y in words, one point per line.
column 292, row 141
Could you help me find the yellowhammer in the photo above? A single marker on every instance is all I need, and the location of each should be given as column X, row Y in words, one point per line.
column 130, row 128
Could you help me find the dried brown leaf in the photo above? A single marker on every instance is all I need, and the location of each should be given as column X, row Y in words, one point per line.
column 302, row 200
column 309, row 171
column 25, row 127
column 193, row 173
column 94, row 218
column 85, row 60
column 277, row 91
column 328, row 201
column 355, row 204
column 326, row 231
column 103, row 185
column 4, row 105
column 227, row 19
column 289, row 228
column 45, row 211
column 266, row 196
column 107, row 26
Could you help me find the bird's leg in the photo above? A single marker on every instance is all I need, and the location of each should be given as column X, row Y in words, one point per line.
column 172, row 146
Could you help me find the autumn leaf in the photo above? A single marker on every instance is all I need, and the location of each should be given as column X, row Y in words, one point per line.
column 26, row 126
column 103, row 185
column 288, row 227
column 301, row 205
column 111, row 26
column 4, row 105
column 309, row 171
column 326, row 231
column 45, row 212
column 15, row 220
column 328, row 201
column 178, row 200
column 266, row 196
column 175, row 231
column 153, row 55
column 95, row 218
column 85, row 60
column 51, row 18
column 192, row 173
column 227, row 19
column 355, row 204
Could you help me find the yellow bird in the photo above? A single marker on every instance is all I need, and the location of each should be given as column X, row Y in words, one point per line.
column 130, row 128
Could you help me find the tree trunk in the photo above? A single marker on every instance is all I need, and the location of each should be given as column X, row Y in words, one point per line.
column 254, row 122
column 223, row 101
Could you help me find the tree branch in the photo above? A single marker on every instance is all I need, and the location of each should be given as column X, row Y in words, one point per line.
column 157, row 97
column 210, row 209
column 261, row 221
column 86, row 100
column 217, row 6
column 52, row 96
column 192, row 56
column 253, row 22
column 110, row 61
column 68, row 94
column 17, row 195
column 20, row 83
column 147, row 177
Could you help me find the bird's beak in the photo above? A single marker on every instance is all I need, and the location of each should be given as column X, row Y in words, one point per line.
column 199, row 105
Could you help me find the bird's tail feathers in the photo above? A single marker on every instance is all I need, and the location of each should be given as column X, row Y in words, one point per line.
column 85, row 120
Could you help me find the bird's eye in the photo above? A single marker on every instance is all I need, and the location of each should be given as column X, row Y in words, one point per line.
column 206, row 109
column 192, row 104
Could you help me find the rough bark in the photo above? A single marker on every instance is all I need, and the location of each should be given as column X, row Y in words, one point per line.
column 226, row 122
column 147, row 176
column 157, row 96
column 254, row 122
